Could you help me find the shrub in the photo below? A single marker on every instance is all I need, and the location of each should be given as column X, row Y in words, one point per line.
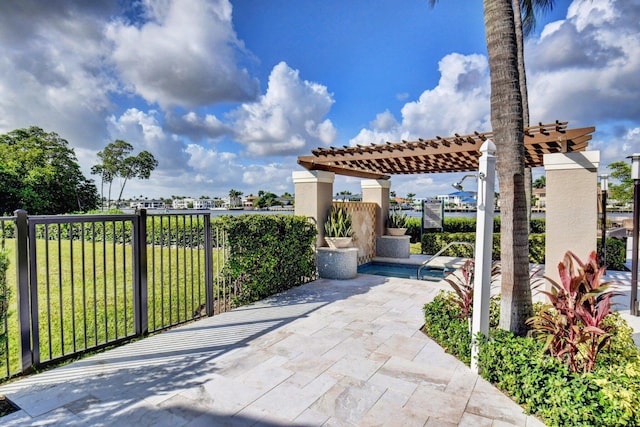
column 538, row 226
column 608, row 396
column 268, row 254
column 433, row 242
column 462, row 283
column 572, row 325
column 442, row 322
column 616, row 254
column 414, row 227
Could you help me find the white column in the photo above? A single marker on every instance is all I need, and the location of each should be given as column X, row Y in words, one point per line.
column 483, row 247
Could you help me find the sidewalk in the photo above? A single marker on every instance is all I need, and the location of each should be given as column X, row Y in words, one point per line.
column 334, row 353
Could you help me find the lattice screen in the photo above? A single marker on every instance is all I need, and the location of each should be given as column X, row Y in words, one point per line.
column 364, row 224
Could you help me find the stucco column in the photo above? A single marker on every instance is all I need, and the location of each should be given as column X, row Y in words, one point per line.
column 377, row 191
column 572, row 206
column 314, row 196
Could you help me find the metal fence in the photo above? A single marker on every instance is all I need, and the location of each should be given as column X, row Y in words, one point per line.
column 89, row 281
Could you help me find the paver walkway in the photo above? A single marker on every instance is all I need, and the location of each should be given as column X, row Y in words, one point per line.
column 327, row 353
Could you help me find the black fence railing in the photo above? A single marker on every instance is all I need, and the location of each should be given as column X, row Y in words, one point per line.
column 89, row 281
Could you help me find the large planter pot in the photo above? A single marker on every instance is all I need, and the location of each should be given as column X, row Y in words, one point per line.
column 338, row 242
column 341, row 264
column 396, row 231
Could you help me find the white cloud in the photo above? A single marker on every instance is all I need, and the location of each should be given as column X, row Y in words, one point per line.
column 272, row 177
column 185, row 54
column 144, row 132
column 51, row 71
column 585, row 68
column 460, row 103
column 288, row 119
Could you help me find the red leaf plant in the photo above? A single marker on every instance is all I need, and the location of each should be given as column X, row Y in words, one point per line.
column 572, row 322
column 462, row 284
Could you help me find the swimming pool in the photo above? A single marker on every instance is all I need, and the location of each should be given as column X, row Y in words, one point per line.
column 405, row 271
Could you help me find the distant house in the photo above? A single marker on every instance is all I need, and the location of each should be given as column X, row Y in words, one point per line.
column 540, row 198
column 459, row 199
column 189, row 203
column 247, row 203
column 147, row 204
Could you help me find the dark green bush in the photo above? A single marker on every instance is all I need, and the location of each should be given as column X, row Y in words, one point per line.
column 413, row 229
column 268, row 254
column 616, row 254
column 433, row 242
column 442, row 323
column 468, row 225
column 609, row 396
column 538, row 226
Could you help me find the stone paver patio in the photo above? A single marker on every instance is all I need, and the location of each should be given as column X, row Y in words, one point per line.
column 334, row 353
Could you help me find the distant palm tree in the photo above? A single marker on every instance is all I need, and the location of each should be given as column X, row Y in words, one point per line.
column 540, row 182
column 234, row 198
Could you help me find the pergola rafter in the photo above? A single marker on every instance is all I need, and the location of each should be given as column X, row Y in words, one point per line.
column 458, row 153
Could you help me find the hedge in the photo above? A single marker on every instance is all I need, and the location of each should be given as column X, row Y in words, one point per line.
column 608, row 396
column 433, row 242
column 467, row 225
column 616, row 254
column 268, row 254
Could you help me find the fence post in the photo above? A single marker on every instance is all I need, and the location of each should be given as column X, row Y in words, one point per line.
column 141, row 304
column 22, row 277
column 208, row 264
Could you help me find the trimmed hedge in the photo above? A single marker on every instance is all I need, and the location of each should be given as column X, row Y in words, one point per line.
column 268, row 254
column 413, row 229
column 433, row 242
column 616, row 254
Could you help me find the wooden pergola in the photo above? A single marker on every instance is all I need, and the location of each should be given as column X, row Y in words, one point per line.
column 458, row 153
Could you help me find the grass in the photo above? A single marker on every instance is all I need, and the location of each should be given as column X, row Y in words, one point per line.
column 85, row 293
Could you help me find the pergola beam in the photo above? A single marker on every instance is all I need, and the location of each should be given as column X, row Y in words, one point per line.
column 451, row 154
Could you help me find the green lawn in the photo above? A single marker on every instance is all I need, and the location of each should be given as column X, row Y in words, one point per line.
column 86, row 298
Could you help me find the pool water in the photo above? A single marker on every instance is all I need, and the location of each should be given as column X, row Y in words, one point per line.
column 405, row 271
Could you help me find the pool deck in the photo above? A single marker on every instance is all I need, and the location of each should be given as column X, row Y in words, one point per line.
column 332, row 353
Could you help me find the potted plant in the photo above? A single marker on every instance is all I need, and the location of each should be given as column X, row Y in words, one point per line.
column 337, row 228
column 396, row 223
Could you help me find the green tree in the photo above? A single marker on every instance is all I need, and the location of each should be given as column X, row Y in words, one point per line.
column 540, row 182
column 139, row 166
column 623, row 191
column 115, row 162
column 111, row 159
column 266, row 200
column 39, row 172
column 344, row 194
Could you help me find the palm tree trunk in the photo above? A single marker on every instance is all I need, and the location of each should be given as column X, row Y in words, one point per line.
column 517, row 19
column 506, row 121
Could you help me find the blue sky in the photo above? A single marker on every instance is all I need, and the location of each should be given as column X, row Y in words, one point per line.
column 227, row 94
